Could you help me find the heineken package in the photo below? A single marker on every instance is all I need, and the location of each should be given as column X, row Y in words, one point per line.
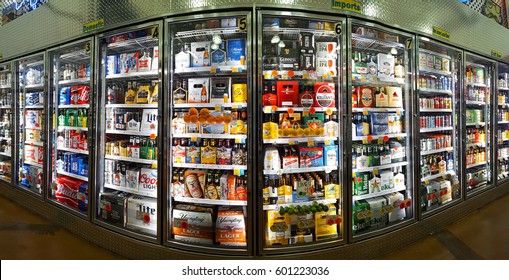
column 378, row 212
column 397, row 213
column 361, row 216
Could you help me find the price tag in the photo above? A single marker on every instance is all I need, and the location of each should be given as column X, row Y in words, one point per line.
column 380, row 141
column 194, row 139
column 267, row 76
column 218, row 108
column 365, row 112
column 240, row 140
column 235, row 69
column 311, row 143
column 325, row 76
column 444, row 176
column 364, row 140
column 240, row 69
column 363, row 79
column 327, row 142
column 213, row 70
column 305, row 113
column 399, row 137
column 305, row 75
column 398, row 112
column 327, row 169
column 292, row 142
column 236, row 172
column 328, row 111
column 354, row 174
column 267, row 109
column 375, row 171
column 235, row 106
column 426, row 182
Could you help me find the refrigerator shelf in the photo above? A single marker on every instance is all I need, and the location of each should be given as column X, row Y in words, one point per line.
column 141, row 75
column 74, row 82
column 503, row 175
column 35, row 63
column 360, row 110
column 361, row 81
column 434, row 53
column 73, row 57
column 297, row 74
column 129, row 190
column 62, row 128
column 211, row 201
column 5, row 154
column 32, row 163
column 136, row 43
column 5, row 70
column 306, row 203
column 71, row 106
column 5, row 138
column 503, row 158
column 478, row 144
column 436, row 176
column 435, row 110
column 476, row 85
column 5, row 87
column 34, row 107
column 476, row 124
column 475, row 165
column 327, row 169
column 208, row 32
column 6, row 107
column 36, row 86
column 238, row 105
column 468, row 63
column 503, row 88
column 297, row 140
column 214, row 70
column 154, row 106
column 375, row 137
column 76, row 176
column 423, row 130
column 210, row 166
column 78, row 151
column 381, row 193
column 448, row 149
column 435, row 71
column 36, row 128
column 364, row 42
column 387, row 166
column 128, row 132
column 468, row 102
column 503, row 122
column 505, row 139
column 503, row 105
column 297, row 31
column 130, row 159
column 34, row 143
column 5, row 178
column 270, row 109
column 434, row 91
column 212, row 136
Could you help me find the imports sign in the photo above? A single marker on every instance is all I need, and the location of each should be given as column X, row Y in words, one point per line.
column 94, row 25
column 347, row 5
column 441, row 33
column 496, row 54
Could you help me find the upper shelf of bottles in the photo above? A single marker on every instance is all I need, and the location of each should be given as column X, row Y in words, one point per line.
column 371, row 43
column 289, row 32
column 75, row 56
column 135, row 43
column 206, row 34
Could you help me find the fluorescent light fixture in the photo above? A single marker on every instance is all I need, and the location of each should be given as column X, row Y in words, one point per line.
column 394, row 51
column 275, row 39
column 281, row 44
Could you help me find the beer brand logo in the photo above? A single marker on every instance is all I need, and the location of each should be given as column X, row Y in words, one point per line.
column 325, row 96
column 306, row 100
column 347, row 5
column 366, row 97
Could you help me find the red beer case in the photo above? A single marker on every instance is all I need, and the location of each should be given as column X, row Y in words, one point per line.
column 287, row 93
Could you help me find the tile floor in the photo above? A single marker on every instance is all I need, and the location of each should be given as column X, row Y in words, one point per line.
column 483, row 234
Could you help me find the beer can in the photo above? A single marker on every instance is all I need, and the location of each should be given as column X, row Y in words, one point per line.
column 424, row 145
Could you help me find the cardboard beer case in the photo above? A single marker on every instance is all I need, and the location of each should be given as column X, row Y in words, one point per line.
column 193, row 221
column 113, row 206
column 231, row 226
column 142, row 214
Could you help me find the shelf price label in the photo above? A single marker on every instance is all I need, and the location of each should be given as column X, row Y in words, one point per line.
column 238, row 171
column 311, row 143
column 292, row 142
column 375, row 171
column 194, row 139
column 327, row 142
column 240, row 141
column 213, row 70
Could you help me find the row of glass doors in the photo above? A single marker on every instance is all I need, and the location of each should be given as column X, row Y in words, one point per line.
column 321, row 130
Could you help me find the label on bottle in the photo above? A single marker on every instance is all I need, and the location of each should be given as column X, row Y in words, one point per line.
column 366, row 97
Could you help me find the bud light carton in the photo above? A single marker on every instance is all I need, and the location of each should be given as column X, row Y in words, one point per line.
column 113, row 208
column 112, row 65
column 83, row 197
column 32, row 99
column 148, row 181
column 32, row 119
column 64, row 96
column 142, row 214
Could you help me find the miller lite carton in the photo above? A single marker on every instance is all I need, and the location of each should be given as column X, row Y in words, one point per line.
column 193, row 221
column 148, row 181
column 231, row 226
column 113, row 208
column 142, row 214
column 149, row 120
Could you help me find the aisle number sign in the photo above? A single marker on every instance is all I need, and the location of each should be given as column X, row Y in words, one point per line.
column 441, row 33
column 94, row 25
column 347, row 5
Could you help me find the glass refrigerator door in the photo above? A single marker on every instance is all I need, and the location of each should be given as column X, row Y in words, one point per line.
column 70, row 104
column 6, row 122
column 299, row 103
column 477, row 100
column 381, row 92
column 439, row 92
column 31, row 139
column 128, row 139
column 502, row 120
column 210, row 188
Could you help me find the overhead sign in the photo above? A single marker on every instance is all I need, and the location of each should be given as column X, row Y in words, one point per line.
column 496, row 54
column 347, row 5
column 441, row 33
column 94, row 25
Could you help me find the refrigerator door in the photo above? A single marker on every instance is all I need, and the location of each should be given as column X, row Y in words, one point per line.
column 6, row 121
column 381, row 125
column 299, row 105
column 209, row 86
column 502, row 120
column 128, row 143
column 477, row 98
column 31, row 122
column 439, row 103
column 70, row 75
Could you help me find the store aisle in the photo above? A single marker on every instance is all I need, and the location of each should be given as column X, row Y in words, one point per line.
column 25, row 236
column 483, row 234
